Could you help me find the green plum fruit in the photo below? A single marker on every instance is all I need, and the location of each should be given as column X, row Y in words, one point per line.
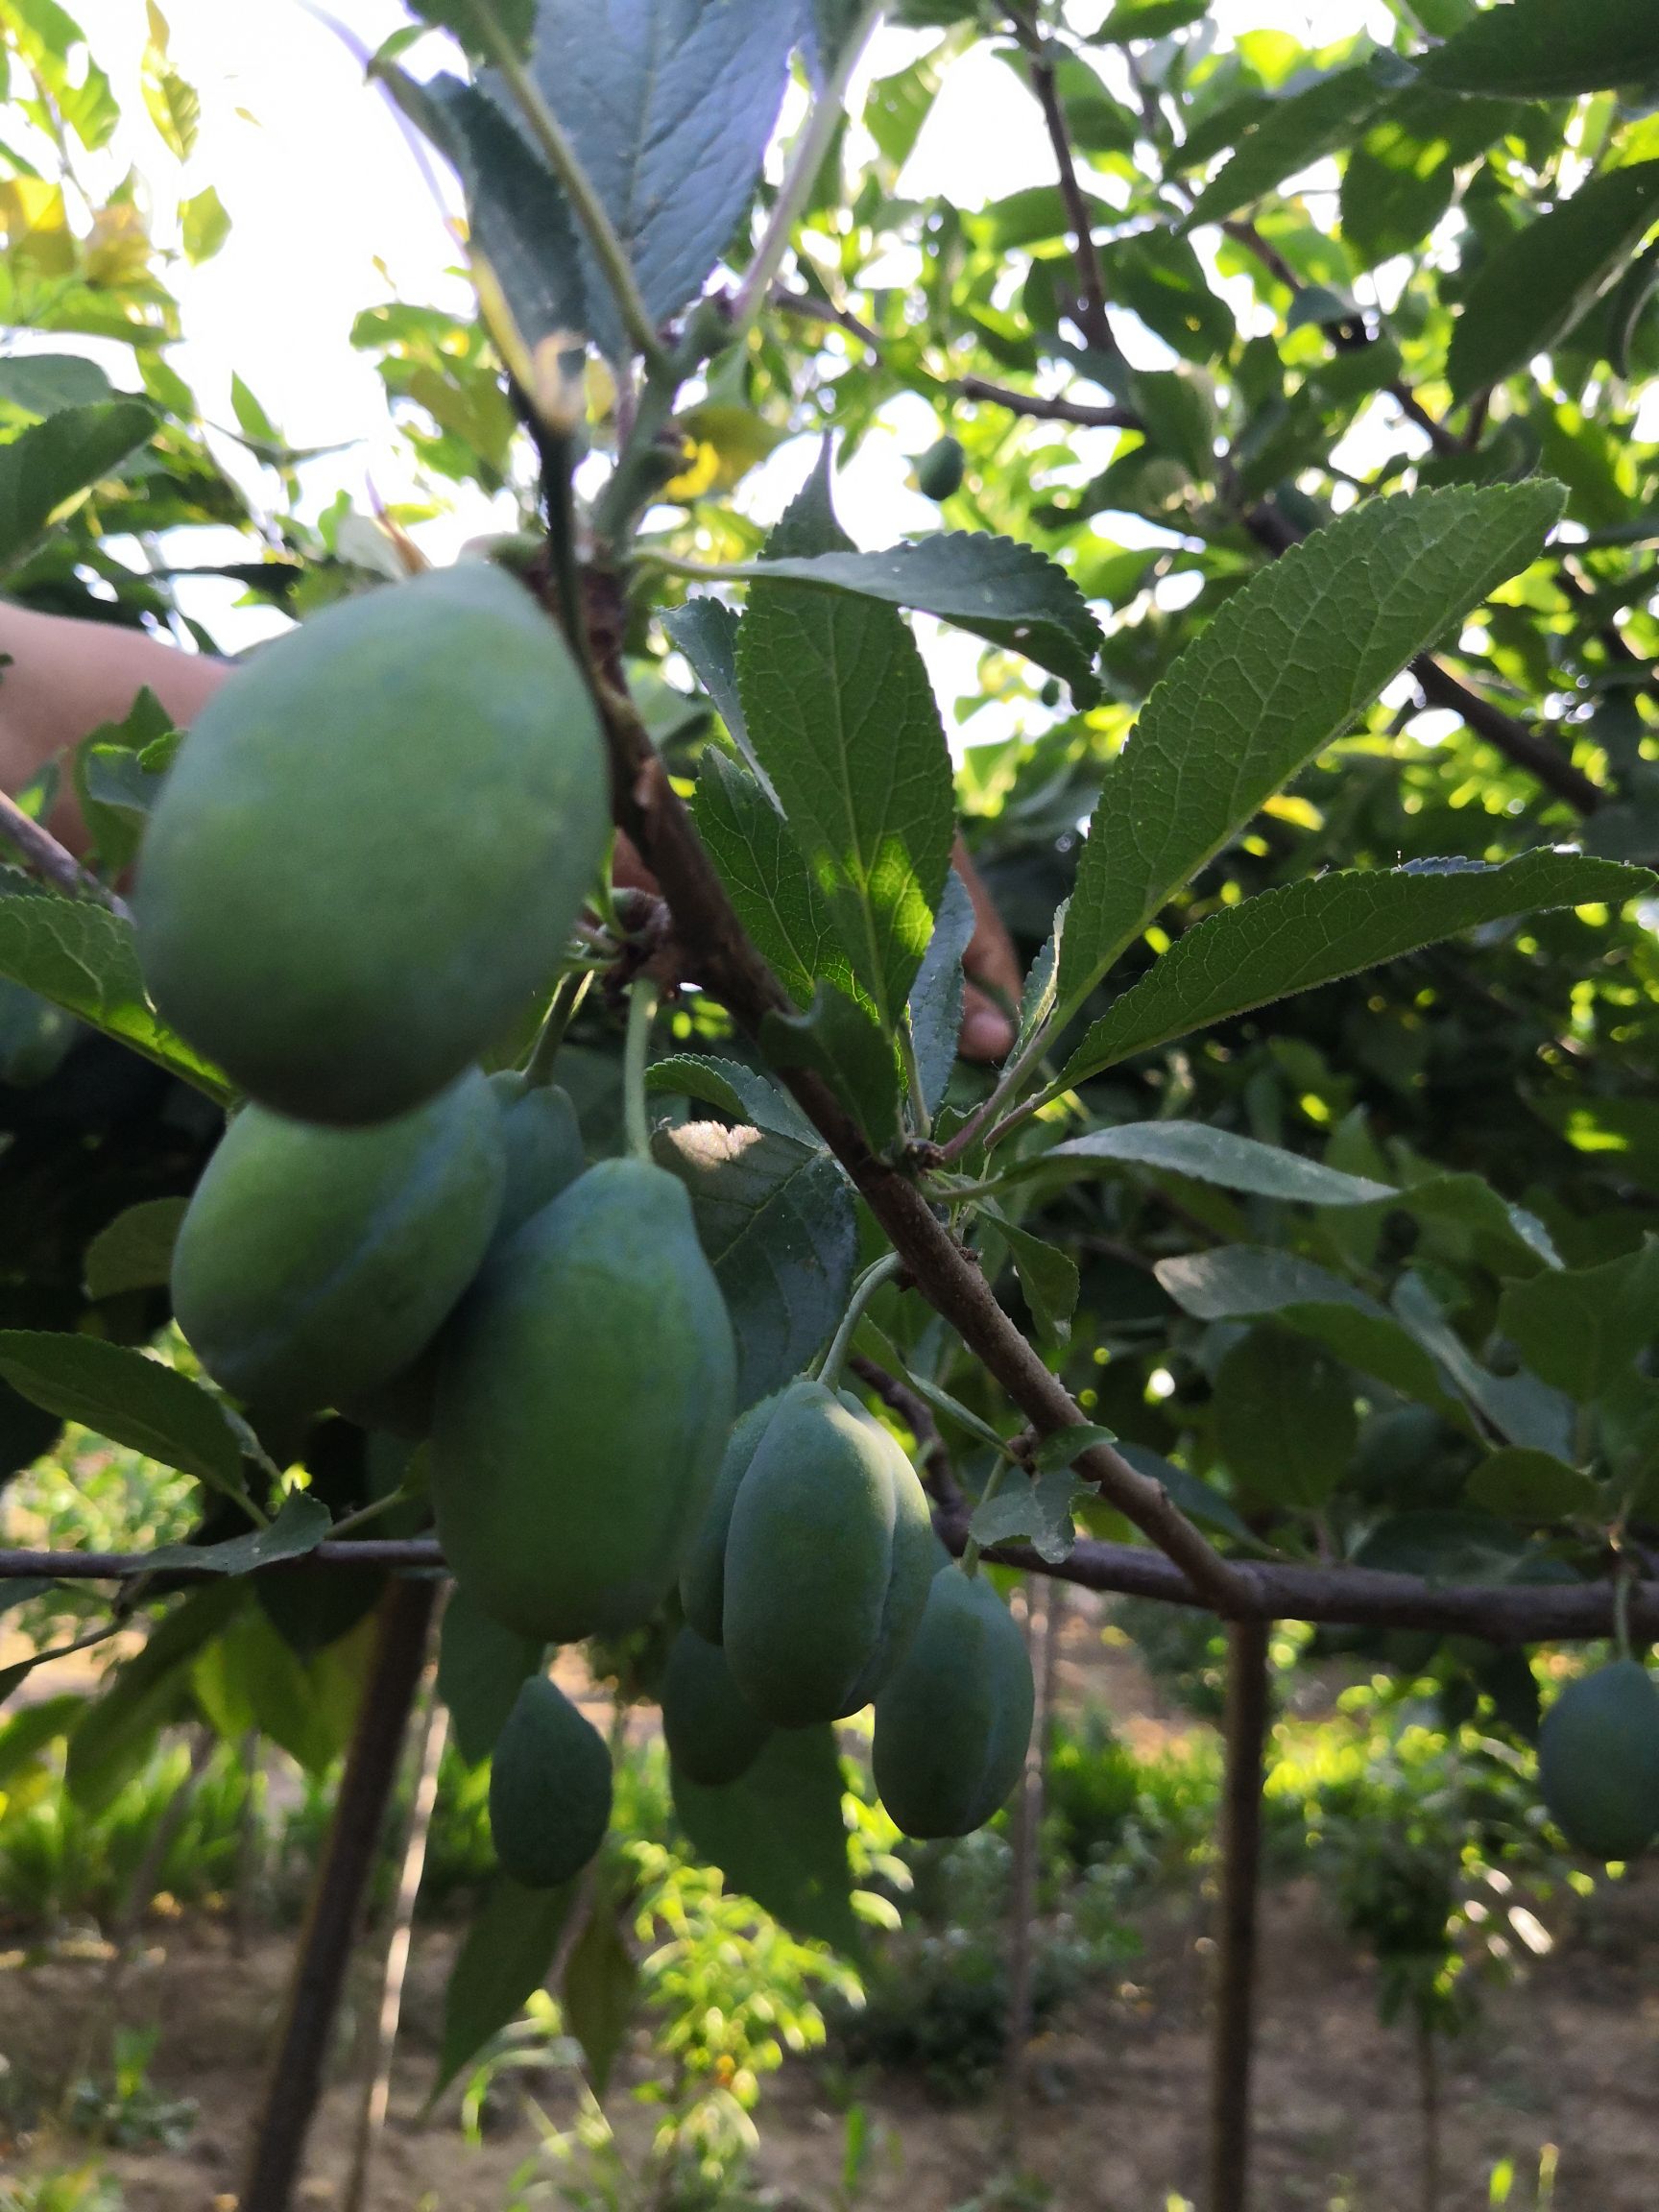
column 583, row 1396
column 370, row 850
column 1598, row 1761
column 713, row 1736
column 312, row 1264
column 549, row 1788
column 953, row 1721
column 828, row 1561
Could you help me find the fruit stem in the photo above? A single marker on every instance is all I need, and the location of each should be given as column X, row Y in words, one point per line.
column 863, row 1290
column 1621, row 1582
column 969, row 1560
column 642, row 1002
column 566, row 1005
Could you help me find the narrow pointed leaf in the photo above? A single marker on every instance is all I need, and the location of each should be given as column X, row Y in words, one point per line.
column 48, row 465
column 742, row 1092
column 843, row 720
column 938, row 991
column 299, row 1527
column 506, row 1957
column 130, row 1399
column 1288, row 664
column 776, row 902
column 1550, row 49
column 1538, row 283
column 778, row 1834
column 83, row 957
column 1217, row 1156
column 1316, row 932
column 1581, row 1328
column 670, row 105
column 998, row 588
column 1290, row 136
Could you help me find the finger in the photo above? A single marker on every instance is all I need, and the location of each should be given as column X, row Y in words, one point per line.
column 987, row 1031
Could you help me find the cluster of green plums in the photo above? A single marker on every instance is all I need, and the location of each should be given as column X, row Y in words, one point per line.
column 365, row 864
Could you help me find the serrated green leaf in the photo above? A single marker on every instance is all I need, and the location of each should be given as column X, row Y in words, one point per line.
column 1540, row 281
column 743, row 1092
column 1531, row 1486
column 1550, row 49
column 841, row 1040
column 777, row 1221
column 481, row 1669
column 49, row 465
column 842, row 718
column 300, row 1525
column 1048, row 1277
column 1217, row 1156
column 705, row 631
column 936, row 996
column 1133, row 19
column 1284, row 1418
column 1306, row 934
column 1579, row 1328
column 778, row 1834
column 135, row 1251
column 83, row 957
column 1504, row 1237
column 671, row 109
column 1067, row 1446
column 506, row 1957
column 130, row 1399
column 1288, row 136
column 1034, row 1510
column 1287, row 667
column 777, row 901
column 996, row 588
column 521, row 219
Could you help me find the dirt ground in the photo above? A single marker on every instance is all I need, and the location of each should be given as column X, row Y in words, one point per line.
column 1567, row 2059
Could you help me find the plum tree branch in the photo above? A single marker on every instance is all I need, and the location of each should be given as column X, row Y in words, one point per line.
column 55, row 861
column 1093, row 318
column 726, row 963
column 1337, row 1596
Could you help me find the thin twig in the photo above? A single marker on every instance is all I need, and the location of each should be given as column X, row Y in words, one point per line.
column 1092, row 317
column 55, row 861
column 1089, row 418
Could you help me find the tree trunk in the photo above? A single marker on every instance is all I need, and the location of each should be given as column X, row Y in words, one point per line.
column 1429, row 2089
column 372, row 2121
column 1045, row 1614
column 337, row 1900
column 1233, row 2034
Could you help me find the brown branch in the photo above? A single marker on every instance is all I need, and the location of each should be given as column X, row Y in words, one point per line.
column 1232, row 2029
column 55, row 861
column 1334, row 1597
column 1077, row 411
column 1091, row 314
column 1350, row 1597
column 938, row 1475
column 727, row 964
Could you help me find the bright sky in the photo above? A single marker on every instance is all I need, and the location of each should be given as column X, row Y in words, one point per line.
column 322, row 187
